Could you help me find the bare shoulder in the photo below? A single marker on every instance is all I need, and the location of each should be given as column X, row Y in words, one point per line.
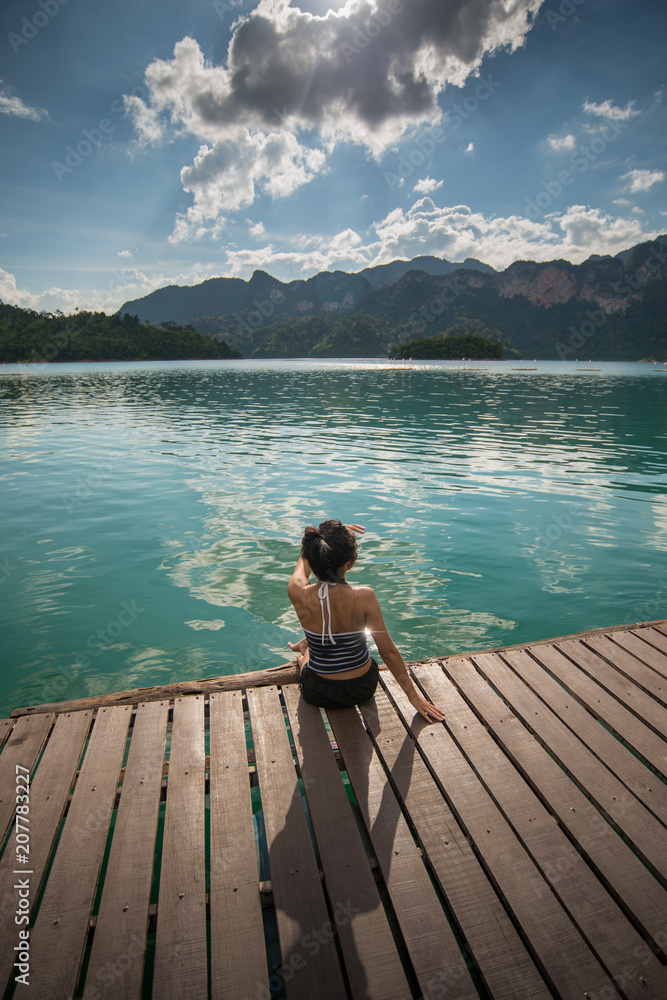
column 364, row 593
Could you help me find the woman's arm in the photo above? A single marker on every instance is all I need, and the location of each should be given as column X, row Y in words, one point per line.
column 393, row 659
column 299, row 578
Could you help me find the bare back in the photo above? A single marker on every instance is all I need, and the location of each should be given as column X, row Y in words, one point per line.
column 348, row 612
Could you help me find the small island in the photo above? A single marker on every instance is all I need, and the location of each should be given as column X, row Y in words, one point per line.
column 463, row 339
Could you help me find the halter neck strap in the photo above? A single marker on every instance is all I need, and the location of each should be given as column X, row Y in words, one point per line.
column 323, row 594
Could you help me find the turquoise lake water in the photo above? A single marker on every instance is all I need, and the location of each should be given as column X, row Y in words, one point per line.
column 151, row 512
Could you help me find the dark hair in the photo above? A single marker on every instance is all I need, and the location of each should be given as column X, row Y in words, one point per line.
column 327, row 548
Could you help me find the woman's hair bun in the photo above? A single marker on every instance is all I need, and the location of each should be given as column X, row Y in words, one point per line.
column 328, row 547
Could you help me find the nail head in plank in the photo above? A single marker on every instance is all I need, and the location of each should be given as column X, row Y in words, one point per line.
column 120, row 931
column 180, row 947
column 433, row 949
column 502, row 958
column 640, row 661
column 373, row 965
column 599, row 918
column 631, row 771
column 49, row 790
column 620, row 867
column 568, row 670
column 564, row 955
column 298, row 895
column 59, row 936
column 654, row 637
column 19, row 757
column 238, row 953
column 627, row 692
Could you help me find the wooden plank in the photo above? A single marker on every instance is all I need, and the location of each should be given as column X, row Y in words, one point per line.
column 49, row 789
column 629, row 727
column 180, row 945
column 310, row 966
column 632, row 772
column 115, row 969
column 617, row 684
column 627, row 663
column 658, row 640
column 21, row 752
column 434, row 952
column 501, row 957
column 600, row 920
column 562, row 955
column 59, row 936
column 601, row 786
column 656, row 659
column 5, row 729
column 619, row 867
column 285, row 674
column 238, row 953
column 374, row 968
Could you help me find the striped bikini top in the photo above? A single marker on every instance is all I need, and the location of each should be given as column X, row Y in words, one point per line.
column 330, row 652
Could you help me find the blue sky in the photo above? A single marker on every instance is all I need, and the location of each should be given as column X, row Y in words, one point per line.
column 147, row 143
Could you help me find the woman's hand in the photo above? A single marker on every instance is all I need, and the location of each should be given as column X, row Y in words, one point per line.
column 357, row 529
column 424, row 707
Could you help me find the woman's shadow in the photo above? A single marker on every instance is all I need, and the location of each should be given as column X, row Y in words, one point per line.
column 343, row 843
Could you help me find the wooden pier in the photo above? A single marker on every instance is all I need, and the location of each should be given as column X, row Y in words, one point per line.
column 241, row 844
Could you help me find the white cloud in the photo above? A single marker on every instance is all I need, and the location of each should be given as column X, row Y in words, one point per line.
column 642, row 180
column 453, row 232
column 11, row 294
column 469, row 148
column 257, row 230
column 14, row 106
column 125, row 253
column 562, row 144
column 427, row 185
column 610, row 111
column 121, row 286
column 226, row 177
column 294, row 84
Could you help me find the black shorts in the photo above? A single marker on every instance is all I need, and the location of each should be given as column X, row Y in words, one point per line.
column 325, row 693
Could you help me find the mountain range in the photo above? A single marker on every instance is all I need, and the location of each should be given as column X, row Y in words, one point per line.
column 607, row 307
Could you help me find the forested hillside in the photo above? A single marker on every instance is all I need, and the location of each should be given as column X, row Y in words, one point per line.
column 34, row 337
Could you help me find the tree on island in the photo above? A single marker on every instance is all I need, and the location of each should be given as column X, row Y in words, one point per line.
column 466, row 338
column 26, row 335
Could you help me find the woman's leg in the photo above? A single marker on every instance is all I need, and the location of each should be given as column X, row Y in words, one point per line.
column 302, row 651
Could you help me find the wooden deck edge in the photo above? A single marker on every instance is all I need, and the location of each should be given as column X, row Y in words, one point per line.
column 286, row 673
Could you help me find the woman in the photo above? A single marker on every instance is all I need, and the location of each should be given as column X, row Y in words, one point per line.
column 336, row 668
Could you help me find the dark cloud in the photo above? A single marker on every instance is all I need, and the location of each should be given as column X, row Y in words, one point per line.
column 378, row 61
